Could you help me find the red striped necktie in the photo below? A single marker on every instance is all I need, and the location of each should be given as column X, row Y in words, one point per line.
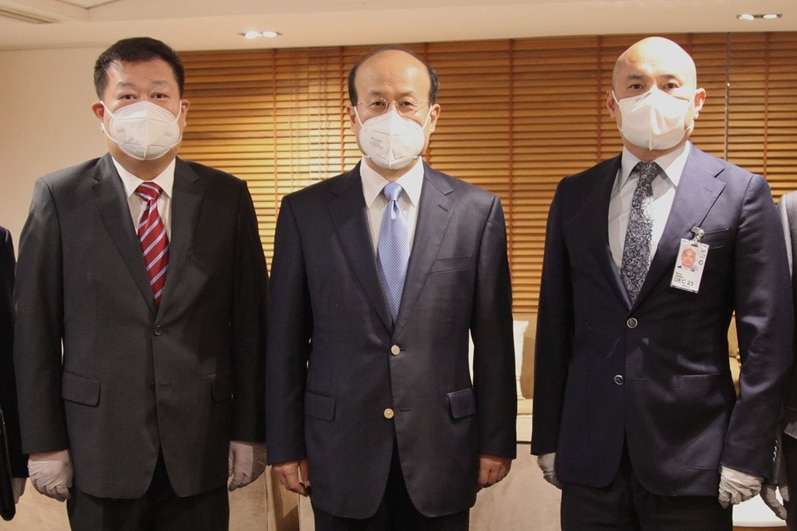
column 154, row 241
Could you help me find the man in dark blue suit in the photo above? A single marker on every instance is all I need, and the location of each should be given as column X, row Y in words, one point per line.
column 635, row 414
column 785, row 478
column 369, row 399
column 8, row 398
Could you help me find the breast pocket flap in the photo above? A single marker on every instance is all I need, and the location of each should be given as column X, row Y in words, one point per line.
column 451, row 264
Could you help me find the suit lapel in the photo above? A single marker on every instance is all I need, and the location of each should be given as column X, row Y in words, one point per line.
column 434, row 214
column 697, row 192
column 115, row 212
column 186, row 204
column 347, row 210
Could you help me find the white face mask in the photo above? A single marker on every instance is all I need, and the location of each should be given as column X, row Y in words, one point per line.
column 654, row 120
column 390, row 140
column 143, row 130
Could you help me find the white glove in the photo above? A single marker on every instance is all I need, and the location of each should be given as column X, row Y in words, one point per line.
column 546, row 463
column 768, row 494
column 18, row 485
column 736, row 487
column 51, row 473
column 245, row 463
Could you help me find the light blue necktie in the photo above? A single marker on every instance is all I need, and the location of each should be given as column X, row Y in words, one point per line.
column 636, row 249
column 393, row 250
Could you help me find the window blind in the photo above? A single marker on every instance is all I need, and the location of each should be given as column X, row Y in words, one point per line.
column 517, row 116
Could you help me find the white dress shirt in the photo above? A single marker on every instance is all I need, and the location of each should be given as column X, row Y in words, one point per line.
column 376, row 202
column 137, row 204
column 664, row 187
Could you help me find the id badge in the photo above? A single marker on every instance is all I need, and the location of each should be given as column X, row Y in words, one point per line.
column 689, row 264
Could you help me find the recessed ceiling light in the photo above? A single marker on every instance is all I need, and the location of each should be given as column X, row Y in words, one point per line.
column 751, row 16
column 258, row 34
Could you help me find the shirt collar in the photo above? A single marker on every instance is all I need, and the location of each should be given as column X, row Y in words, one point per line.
column 373, row 183
column 672, row 163
column 165, row 179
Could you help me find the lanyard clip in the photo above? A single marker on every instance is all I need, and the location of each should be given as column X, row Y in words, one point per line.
column 698, row 233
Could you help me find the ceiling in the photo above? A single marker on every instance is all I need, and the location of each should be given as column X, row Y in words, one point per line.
column 218, row 24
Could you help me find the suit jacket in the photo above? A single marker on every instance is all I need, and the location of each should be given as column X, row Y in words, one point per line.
column 787, row 207
column 8, row 394
column 183, row 379
column 654, row 376
column 343, row 382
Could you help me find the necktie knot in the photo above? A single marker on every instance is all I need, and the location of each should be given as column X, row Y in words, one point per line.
column 647, row 171
column 392, row 191
column 148, row 191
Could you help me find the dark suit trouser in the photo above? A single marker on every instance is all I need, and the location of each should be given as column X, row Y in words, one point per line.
column 159, row 510
column 790, row 452
column 395, row 513
column 626, row 505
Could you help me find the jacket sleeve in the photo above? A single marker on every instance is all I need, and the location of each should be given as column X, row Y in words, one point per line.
column 290, row 329
column 554, row 335
column 249, row 326
column 764, row 322
column 493, row 343
column 37, row 339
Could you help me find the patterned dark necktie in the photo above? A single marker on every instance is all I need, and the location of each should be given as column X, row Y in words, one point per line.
column 154, row 241
column 636, row 249
column 393, row 248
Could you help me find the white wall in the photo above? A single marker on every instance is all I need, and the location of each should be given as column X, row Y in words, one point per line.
column 46, row 122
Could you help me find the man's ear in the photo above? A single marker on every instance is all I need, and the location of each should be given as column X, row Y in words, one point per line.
column 700, row 99
column 611, row 104
column 434, row 115
column 99, row 110
column 352, row 117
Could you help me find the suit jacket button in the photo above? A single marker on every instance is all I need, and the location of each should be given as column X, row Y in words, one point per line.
column 631, row 323
column 618, row 379
column 388, row 413
column 395, row 350
column 158, row 330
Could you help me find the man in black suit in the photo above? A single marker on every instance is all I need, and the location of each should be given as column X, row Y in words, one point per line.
column 371, row 408
column 8, row 396
column 785, row 477
column 635, row 413
column 149, row 271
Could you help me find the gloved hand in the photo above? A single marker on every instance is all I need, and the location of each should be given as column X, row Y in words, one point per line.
column 51, row 473
column 245, row 462
column 768, row 494
column 18, row 485
column 546, row 463
column 736, row 487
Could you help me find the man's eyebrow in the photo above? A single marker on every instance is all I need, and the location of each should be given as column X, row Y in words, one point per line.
column 159, row 82
column 634, row 76
column 154, row 83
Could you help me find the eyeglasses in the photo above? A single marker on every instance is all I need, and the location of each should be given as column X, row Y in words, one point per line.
column 405, row 106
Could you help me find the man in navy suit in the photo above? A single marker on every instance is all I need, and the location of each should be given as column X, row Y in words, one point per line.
column 785, row 479
column 8, row 389
column 635, row 414
column 369, row 398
